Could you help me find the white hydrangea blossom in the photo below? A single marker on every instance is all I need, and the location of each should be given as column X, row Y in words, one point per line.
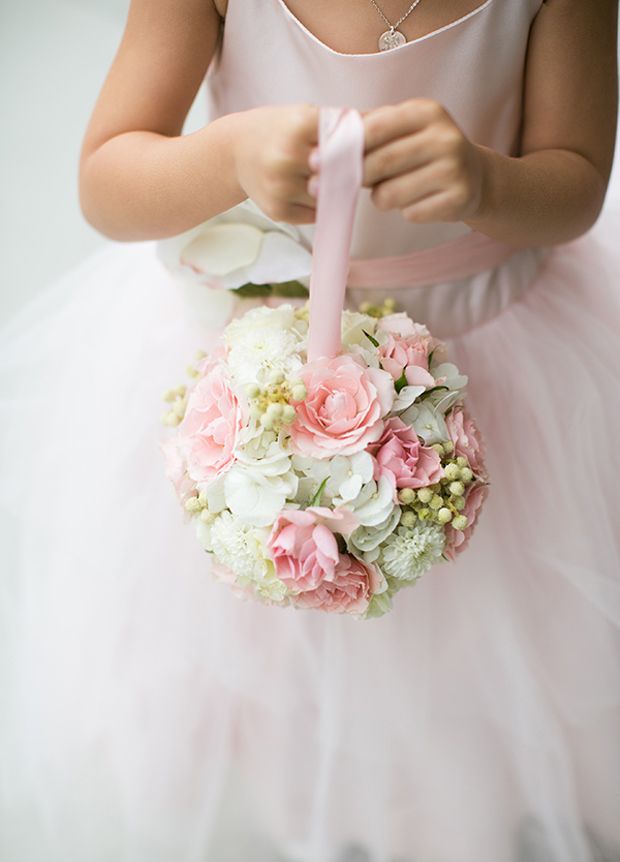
column 257, row 494
column 344, row 476
column 441, row 399
column 409, row 552
column 265, row 340
column 428, row 423
column 355, row 325
column 349, row 483
column 365, row 541
column 375, row 502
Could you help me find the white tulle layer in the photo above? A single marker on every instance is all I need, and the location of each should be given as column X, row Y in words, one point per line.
column 149, row 715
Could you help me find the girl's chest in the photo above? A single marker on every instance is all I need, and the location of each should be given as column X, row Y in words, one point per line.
column 355, row 26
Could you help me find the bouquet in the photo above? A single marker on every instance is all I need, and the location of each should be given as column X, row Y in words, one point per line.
column 325, row 456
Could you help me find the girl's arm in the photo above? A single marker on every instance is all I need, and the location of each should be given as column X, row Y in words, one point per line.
column 140, row 178
column 419, row 161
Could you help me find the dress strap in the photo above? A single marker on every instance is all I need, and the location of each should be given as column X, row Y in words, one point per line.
column 468, row 255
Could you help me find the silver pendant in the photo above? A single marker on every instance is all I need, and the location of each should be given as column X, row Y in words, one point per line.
column 391, row 39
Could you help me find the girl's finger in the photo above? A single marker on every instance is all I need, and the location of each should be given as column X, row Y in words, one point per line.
column 406, row 189
column 397, row 157
column 395, row 121
column 433, row 208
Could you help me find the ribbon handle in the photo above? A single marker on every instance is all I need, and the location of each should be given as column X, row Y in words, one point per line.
column 341, row 149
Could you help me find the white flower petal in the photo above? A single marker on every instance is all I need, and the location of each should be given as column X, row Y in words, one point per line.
column 280, row 259
column 219, row 249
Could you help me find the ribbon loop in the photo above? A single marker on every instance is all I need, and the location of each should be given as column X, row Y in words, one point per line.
column 341, row 149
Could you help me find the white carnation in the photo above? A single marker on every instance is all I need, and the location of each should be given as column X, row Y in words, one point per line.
column 242, row 548
column 409, row 552
column 265, row 340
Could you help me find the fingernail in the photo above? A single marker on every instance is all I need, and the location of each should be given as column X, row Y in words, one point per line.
column 313, row 159
column 313, row 186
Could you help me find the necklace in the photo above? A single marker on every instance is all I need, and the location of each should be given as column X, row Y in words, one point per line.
column 393, row 38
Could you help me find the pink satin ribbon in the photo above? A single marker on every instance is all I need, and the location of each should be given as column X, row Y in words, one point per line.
column 341, row 149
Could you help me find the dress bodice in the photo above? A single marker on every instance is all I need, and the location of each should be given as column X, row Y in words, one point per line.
column 473, row 66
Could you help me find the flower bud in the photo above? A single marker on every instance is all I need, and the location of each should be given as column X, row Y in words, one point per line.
column 170, row 395
column 466, row 474
column 436, row 502
column 424, row 514
column 192, row 505
column 390, row 302
column 275, row 411
column 408, row 518
column 252, row 390
column 276, row 377
column 298, row 392
column 406, row 496
column 266, row 421
column 448, row 445
column 459, row 503
column 288, row 414
column 170, row 418
column 461, row 461
column 452, row 471
column 438, row 447
column 457, row 488
column 444, row 515
column 425, row 495
column 460, row 522
column 365, row 307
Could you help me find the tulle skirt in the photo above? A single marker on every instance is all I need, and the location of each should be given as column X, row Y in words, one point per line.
column 149, row 714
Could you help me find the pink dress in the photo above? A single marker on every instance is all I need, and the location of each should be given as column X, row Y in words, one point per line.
column 148, row 715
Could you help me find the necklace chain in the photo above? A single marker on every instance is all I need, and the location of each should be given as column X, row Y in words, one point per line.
column 400, row 20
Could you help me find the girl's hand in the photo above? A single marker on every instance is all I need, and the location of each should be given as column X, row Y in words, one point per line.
column 417, row 160
column 271, row 152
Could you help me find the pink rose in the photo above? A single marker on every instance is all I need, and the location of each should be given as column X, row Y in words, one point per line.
column 350, row 589
column 457, row 540
column 303, row 547
column 405, row 349
column 343, row 409
column 401, row 324
column 400, row 452
column 176, row 471
column 208, row 433
column 467, row 440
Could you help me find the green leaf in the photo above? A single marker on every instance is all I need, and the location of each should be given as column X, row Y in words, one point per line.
column 370, row 338
column 291, row 289
column 433, row 389
column 253, row 290
column 319, row 493
column 402, row 381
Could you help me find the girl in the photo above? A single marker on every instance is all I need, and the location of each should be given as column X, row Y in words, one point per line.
column 150, row 715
